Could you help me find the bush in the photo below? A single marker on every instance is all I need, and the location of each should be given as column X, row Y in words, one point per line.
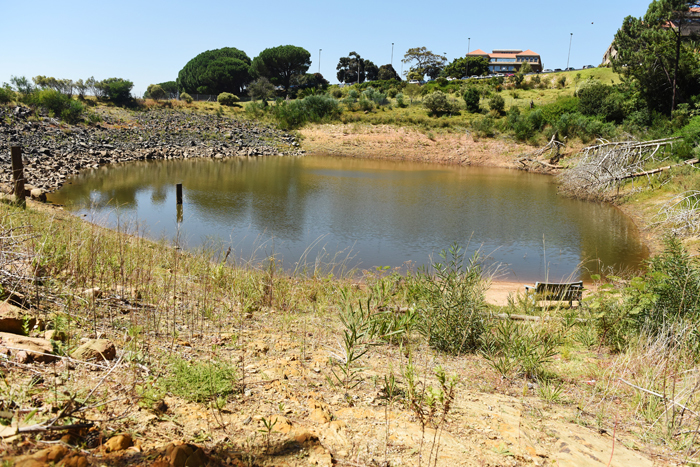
column 392, row 92
column 438, row 103
column 228, row 99
column 117, row 90
column 337, row 93
column 483, row 127
column 451, row 303
column 59, row 105
column 497, row 104
column 73, row 111
column 186, row 97
column 155, row 92
column 667, row 297
column 294, row 114
column 6, row 95
column 471, row 99
column 400, row 100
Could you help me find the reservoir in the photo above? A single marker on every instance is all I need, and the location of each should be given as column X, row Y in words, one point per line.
column 322, row 213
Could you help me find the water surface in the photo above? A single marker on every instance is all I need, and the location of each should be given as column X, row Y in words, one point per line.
column 370, row 213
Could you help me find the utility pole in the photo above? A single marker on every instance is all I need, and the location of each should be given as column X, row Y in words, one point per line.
column 319, row 61
column 469, row 44
column 392, row 55
column 567, row 58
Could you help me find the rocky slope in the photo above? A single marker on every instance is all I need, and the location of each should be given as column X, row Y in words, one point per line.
column 53, row 151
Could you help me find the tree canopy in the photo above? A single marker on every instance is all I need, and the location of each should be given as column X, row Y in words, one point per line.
column 458, row 68
column 348, row 68
column 279, row 64
column 215, row 71
column 423, row 62
column 388, row 72
column 658, row 53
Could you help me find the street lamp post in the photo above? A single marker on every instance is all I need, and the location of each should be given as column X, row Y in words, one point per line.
column 319, row 60
column 469, row 43
column 567, row 58
column 392, row 55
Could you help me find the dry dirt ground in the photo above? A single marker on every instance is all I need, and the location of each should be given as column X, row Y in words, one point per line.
column 388, row 142
column 285, row 379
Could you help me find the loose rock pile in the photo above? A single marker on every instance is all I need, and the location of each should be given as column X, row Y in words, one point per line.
column 53, row 151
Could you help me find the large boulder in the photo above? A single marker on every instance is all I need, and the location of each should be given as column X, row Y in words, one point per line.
column 13, row 319
column 38, row 350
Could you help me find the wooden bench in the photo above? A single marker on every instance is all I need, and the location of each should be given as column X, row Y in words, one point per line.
column 565, row 291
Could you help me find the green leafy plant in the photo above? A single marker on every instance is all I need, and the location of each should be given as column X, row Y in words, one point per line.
column 451, row 302
column 512, row 348
column 200, row 381
column 227, row 99
column 186, row 97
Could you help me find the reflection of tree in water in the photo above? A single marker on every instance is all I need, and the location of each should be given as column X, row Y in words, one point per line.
column 268, row 190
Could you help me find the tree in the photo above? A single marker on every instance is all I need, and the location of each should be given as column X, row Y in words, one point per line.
column 22, row 84
column 261, row 89
column 371, row 71
column 169, row 87
column 471, row 99
column 497, row 104
column 525, row 68
column 215, row 71
column 348, row 68
column 658, row 53
column 424, row 62
column 155, row 92
column 310, row 80
column 387, row 72
column 458, row 68
column 117, row 90
column 279, row 64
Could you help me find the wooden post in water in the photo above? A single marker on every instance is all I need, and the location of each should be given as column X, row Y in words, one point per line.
column 178, row 195
column 18, row 174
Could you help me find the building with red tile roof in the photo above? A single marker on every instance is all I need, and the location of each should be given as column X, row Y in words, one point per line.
column 509, row 60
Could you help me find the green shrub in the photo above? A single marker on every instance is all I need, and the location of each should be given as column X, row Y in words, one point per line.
column 186, row 97
column 227, row 99
column 471, row 99
column 59, row 105
column 497, row 104
column 155, row 92
column 451, row 303
column 6, row 95
column 400, row 100
column 73, row 111
column 666, row 297
column 392, row 92
column 117, row 90
column 483, row 127
column 337, row 93
column 294, row 114
column 366, row 104
column 438, row 103
column 200, row 381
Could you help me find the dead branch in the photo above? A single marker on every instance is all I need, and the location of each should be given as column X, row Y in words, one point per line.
column 604, row 167
column 550, row 152
column 681, row 214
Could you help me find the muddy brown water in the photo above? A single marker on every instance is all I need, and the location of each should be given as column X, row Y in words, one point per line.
column 315, row 213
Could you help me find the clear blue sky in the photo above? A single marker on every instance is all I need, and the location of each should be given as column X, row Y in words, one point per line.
column 150, row 41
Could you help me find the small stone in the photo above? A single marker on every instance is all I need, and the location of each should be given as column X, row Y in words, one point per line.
column 119, row 443
column 95, row 349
